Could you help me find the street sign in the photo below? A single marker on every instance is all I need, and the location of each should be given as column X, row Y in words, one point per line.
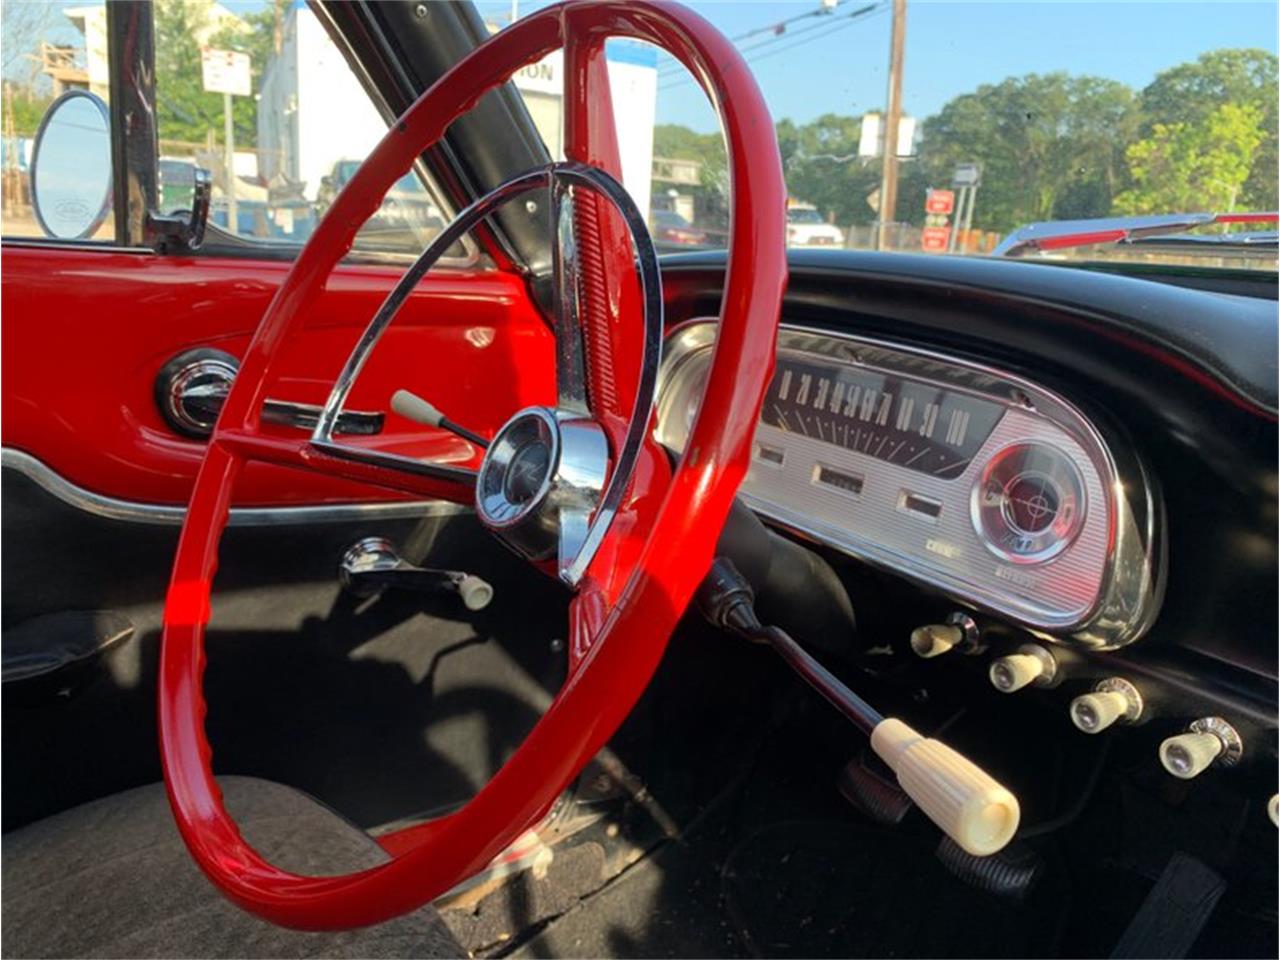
column 934, row 239
column 966, row 175
column 225, row 71
column 941, row 202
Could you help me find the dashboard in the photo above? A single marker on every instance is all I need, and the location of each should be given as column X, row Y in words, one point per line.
column 965, row 478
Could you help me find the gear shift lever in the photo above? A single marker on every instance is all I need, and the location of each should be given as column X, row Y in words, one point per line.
column 969, row 806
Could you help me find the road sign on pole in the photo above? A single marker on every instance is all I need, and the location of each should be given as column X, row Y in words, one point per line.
column 939, row 202
column 227, row 72
column 967, row 175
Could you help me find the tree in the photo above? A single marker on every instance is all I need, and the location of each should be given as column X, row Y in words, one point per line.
column 184, row 110
column 671, row 141
column 25, row 25
column 1051, row 147
column 822, row 167
column 1194, row 165
column 1190, row 92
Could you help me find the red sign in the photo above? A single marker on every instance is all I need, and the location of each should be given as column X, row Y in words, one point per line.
column 940, row 201
column 934, row 239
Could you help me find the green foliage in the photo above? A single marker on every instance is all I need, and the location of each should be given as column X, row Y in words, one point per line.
column 822, row 167
column 27, row 111
column 1050, row 146
column 674, row 142
column 185, row 111
column 1190, row 92
column 1197, row 164
column 1202, row 135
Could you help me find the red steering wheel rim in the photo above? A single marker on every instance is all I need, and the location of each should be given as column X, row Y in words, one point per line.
column 605, row 685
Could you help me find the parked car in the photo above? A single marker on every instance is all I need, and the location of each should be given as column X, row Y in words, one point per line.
column 565, row 597
column 806, row 228
column 668, row 227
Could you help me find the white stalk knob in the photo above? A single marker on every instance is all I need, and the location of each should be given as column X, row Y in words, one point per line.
column 1017, row 670
column 935, row 639
column 413, row 407
column 476, row 593
column 1094, row 712
column 1190, row 754
column 962, row 799
column 1273, row 809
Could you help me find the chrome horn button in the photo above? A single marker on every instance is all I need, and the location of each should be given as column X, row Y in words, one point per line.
column 541, row 481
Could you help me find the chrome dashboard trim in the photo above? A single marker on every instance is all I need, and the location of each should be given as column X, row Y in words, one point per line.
column 129, row 511
column 1127, row 593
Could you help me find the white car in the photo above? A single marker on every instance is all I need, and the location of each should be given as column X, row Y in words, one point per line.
column 806, row 228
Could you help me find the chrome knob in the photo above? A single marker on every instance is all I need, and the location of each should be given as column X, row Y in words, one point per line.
column 191, row 389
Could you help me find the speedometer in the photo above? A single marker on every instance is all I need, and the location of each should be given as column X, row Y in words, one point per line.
column 914, row 424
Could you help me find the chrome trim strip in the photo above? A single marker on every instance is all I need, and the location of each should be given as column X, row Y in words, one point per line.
column 112, row 508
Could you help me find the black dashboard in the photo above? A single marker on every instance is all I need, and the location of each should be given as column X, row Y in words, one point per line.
column 1083, row 463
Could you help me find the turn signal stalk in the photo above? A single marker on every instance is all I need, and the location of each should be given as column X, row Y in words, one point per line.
column 966, row 803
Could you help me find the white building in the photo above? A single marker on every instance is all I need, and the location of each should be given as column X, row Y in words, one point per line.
column 312, row 112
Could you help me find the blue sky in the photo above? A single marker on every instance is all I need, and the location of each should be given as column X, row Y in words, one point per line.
column 952, row 46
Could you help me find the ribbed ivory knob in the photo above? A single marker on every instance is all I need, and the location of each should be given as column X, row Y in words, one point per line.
column 935, row 639
column 1094, row 712
column 1273, row 809
column 1015, row 671
column 960, row 797
column 1189, row 755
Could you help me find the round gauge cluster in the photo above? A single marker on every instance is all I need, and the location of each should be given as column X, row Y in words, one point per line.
column 1029, row 503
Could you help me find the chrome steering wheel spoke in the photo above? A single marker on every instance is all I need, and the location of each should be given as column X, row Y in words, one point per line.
column 549, row 486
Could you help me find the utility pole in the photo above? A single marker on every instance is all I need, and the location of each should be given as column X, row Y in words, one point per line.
column 229, row 160
column 893, row 113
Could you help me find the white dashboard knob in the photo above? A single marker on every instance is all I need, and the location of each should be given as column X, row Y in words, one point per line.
column 1094, row 712
column 1273, row 809
column 935, row 639
column 955, row 793
column 1190, row 754
column 1113, row 699
column 1031, row 664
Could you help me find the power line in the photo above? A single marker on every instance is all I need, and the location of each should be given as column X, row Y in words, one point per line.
column 777, row 33
column 756, row 53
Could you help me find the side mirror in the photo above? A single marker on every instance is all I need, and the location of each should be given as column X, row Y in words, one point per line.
column 71, row 167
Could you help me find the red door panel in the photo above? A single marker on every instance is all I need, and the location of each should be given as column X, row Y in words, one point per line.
column 85, row 332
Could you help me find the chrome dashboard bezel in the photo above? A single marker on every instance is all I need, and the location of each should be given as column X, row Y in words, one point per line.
column 1128, row 593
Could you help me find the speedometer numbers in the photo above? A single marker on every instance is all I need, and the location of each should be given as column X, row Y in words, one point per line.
column 1029, row 503
column 913, row 424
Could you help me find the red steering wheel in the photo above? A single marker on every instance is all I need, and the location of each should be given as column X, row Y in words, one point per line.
column 631, row 588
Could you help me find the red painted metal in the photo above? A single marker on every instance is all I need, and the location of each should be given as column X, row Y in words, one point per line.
column 1271, row 217
column 85, row 333
column 633, row 620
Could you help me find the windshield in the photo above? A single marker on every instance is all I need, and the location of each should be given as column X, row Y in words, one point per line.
column 1011, row 114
